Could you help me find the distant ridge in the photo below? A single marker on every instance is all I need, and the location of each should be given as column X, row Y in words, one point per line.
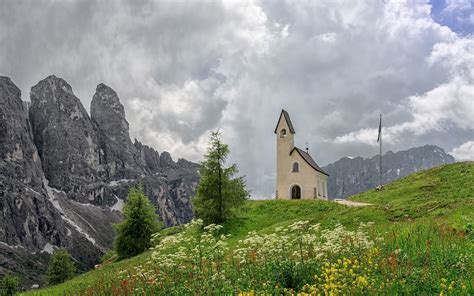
column 352, row 175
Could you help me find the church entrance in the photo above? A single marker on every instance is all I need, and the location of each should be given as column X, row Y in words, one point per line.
column 296, row 192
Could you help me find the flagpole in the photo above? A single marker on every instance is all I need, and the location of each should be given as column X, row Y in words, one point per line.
column 380, row 150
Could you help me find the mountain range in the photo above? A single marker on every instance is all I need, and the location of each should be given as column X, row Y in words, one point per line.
column 352, row 175
column 64, row 175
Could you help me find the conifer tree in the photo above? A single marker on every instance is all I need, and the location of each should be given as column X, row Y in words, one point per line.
column 140, row 222
column 60, row 268
column 8, row 285
column 218, row 193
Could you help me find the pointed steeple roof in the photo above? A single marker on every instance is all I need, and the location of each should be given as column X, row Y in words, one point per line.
column 288, row 121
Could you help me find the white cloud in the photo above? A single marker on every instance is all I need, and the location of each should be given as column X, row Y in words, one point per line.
column 456, row 6
column 460, row 10
column 366, row 136
column 448, row 104
column 284, row 32
column 328, row 37
column 464, row 152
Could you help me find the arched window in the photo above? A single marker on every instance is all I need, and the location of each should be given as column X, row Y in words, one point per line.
column 296, row 167
column 283, row 133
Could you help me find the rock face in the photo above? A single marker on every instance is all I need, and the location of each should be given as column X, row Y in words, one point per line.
column 119, row 153
column 65, row 137
column 350, row 176
column 26, row 218
column 64, row 176
column 148, row 156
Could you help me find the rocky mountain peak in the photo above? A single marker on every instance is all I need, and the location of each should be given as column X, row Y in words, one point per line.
column 166, row 160
column 105, row 95
column 64, row 136
column 17, row 152
column 55, row 97
column 52, row 88
column 120, row 154
column 8, row 89
column 109, row 113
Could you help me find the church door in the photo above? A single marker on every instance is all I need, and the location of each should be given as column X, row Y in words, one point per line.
column 296, row 192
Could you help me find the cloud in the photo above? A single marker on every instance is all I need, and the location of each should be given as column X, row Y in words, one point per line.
column 183, row 68
column 456, row 6
column 460, row 12
column 464, row 152
column 448, row 104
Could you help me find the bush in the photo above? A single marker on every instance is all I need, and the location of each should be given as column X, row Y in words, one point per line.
column 61, row 267
column 140, row 222
column 8, row 285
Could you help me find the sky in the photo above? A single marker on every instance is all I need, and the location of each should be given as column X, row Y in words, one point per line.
column 184, row 68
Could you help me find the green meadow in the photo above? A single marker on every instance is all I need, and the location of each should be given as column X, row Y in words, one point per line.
column 416, row 238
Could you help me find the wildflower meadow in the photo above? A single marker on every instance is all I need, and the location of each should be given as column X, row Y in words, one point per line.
column 300, row 259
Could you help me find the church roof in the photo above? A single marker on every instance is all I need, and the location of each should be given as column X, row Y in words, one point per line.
column 288, row 121
column 309, row 160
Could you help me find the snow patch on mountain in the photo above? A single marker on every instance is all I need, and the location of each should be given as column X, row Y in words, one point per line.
column 55, row 202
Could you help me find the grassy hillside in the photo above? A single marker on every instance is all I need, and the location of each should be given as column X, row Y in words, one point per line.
column 420, row 242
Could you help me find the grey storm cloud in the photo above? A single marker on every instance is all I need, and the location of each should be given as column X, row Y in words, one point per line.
column 184, row 68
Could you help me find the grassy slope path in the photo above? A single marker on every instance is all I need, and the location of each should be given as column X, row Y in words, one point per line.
column 443, row 195
column 351, row 203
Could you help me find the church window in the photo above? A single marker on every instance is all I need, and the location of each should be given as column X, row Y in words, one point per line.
column 296, row 167
column 324, row 189
column 319, row 189
column 283, row 133
column 315, row 193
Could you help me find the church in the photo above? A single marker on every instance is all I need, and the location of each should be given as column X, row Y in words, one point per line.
column 298, row 175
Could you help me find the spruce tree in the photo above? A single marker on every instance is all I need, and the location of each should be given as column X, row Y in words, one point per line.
column 218, row 193
column 140, row 222
column 60, row 268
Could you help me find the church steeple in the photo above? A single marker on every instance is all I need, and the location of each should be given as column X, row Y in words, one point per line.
column 284, row 115
column 285, row 134
column 285, row 142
